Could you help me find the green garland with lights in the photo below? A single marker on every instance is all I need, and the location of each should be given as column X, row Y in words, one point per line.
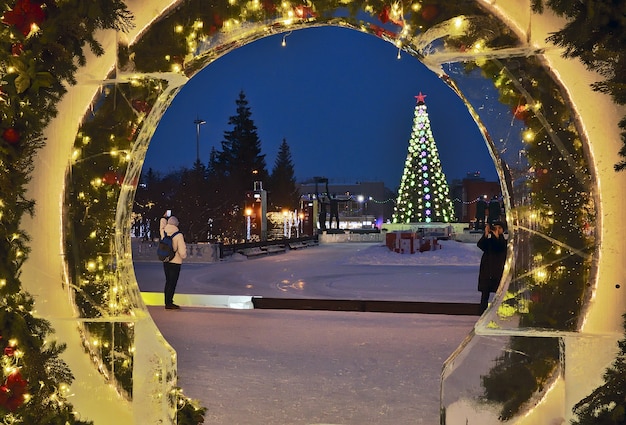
column 41, row 47
column 551, row 288
column 38, row 55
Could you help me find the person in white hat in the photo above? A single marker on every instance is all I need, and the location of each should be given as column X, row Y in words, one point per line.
column 172, row 267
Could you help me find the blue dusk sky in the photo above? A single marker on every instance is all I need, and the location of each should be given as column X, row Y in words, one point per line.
column 341, row 99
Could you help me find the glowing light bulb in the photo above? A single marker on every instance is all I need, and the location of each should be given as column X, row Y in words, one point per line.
column 528, row 135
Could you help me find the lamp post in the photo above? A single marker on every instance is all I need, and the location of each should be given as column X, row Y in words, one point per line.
column 248, row 224
column 285, row 214
column 198, row 122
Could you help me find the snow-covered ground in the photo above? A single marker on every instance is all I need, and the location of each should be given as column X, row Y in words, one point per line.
column 312, row 367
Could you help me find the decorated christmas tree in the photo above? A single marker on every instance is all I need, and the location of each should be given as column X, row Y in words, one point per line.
column 424, row 195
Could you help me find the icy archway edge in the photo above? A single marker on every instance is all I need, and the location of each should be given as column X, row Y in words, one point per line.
column 44, row 271
column 598, row 117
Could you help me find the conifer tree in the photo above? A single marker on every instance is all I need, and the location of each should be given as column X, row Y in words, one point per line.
column 237, row 166
column 192, row 203
column 424, row 193
column 282, row 182
column 595, row 33
column 241, row 157
column 606, row 405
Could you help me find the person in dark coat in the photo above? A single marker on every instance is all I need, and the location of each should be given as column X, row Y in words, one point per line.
column 481, row 212
column 493, row 245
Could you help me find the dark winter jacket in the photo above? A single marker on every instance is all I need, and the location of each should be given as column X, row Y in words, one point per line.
column 492, row 262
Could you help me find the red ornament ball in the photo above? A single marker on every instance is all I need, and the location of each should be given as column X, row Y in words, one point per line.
column 521, row 112
column 12, row 392
column 140, row 105
column 383, row 16
column 24, row 14
column 11, row 135
column 111, row 177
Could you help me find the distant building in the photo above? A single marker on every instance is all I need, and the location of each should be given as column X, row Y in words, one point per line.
column 357, row 200
column 465, row 192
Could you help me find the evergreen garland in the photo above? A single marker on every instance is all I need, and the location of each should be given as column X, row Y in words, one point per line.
column 595, row 34
column 42, row 44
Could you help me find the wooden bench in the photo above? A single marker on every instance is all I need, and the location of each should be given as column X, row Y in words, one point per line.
column 274, row 249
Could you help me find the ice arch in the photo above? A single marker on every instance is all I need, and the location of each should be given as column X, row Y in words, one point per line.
column 587, row 261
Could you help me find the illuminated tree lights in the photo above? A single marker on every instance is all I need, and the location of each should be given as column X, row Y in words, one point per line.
column 424, row 195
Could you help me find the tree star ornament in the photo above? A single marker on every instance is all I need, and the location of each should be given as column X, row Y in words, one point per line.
column 420, row 98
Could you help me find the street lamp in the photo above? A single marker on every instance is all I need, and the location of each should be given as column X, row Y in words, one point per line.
column 285, row 214
column 300, row 220
column 248, row 224
column 198, row 122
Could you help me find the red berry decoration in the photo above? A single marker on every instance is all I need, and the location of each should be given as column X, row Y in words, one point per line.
column 24, row 14
column 17, row 49
column 384, row 14
column 140, row 105
column 12, row 392
column 430, row 12
column 11, row 135
column 111, row 178
column 269, row 6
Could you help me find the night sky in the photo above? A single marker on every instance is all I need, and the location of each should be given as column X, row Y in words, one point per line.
column 341, row 99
